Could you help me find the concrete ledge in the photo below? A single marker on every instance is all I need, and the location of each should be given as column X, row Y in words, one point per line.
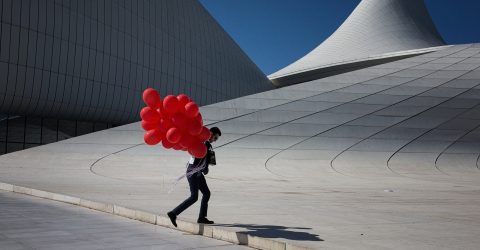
column 123, row 211
column 42, row 194
column 189, row 227
column 164, row 222
column 293, row 247
column 206, row 231
column 233, row 237
column 262, row 243
column 145, row 217
column 107, row 208
column 6, row 187
column 184, row 226
column 193, row 228
column 134, row 214
column 66, row 199
column 22, row 190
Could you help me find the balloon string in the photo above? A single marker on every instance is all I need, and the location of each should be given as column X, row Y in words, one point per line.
column 187, row 174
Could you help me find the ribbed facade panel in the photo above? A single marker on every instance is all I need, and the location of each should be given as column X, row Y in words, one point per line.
column 91, row 60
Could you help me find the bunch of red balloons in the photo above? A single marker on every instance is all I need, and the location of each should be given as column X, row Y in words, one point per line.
column 174, row 121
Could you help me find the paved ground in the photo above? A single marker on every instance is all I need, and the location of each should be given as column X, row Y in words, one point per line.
column 27, row 222
column 381, row 158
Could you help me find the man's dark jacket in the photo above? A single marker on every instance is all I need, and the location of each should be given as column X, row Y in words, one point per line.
column 196, row 163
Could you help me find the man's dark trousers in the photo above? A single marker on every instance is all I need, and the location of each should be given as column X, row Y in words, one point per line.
column 197, row 182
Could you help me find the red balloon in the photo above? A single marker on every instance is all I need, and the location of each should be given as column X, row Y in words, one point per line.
column 179, row 120
column 183, row 99
column 143, row 111
column 177, row 147
column 194, row 127
column 170, row 104
column 190, row 151
column 181, row 109
column 205, row 134
column 165, row 125
column 167, row 116
column 191, row 109
column 202, row 152
column 174, row 135
column 152, row 137
column 166, row 144
column 161, row 110
column 187, row 141
column 149, row 125
column 150, row 115
column 199, row 118
column 198, row 150
column 151, row 98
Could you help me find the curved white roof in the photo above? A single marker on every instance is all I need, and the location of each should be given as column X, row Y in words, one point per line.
column 375, row 27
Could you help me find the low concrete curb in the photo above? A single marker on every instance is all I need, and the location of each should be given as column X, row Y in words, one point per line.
column 193, row 228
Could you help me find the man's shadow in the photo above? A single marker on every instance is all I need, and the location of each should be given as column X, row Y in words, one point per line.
column 271, row 231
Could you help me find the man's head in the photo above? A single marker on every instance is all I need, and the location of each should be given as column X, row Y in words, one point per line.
column 215, row 134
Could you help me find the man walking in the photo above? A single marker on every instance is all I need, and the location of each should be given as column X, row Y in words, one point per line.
column 197, row 168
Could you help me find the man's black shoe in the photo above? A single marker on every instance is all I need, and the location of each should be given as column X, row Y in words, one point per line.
column 204, row 221
column 173, row 218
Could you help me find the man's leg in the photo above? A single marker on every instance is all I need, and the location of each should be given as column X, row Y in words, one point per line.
column 202, row 185
column 193, row 183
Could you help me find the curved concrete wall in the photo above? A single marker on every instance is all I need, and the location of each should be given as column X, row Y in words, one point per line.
column 374, row 28
column 91, row 60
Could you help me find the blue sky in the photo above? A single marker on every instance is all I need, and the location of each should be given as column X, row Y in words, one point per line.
column 275, row 33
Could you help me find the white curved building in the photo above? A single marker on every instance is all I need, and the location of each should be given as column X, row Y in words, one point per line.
column 377, row 31
column 383, row 157
column 72, row 67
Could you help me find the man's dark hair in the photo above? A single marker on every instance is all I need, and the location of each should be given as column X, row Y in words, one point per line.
column 216, row 130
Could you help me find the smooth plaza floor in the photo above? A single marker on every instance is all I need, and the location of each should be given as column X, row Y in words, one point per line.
column 28, row 222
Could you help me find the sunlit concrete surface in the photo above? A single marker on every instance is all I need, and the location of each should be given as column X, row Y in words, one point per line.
column 380, row 158
column 28, row 222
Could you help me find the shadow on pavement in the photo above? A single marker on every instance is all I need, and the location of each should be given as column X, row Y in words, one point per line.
column 271, row 231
